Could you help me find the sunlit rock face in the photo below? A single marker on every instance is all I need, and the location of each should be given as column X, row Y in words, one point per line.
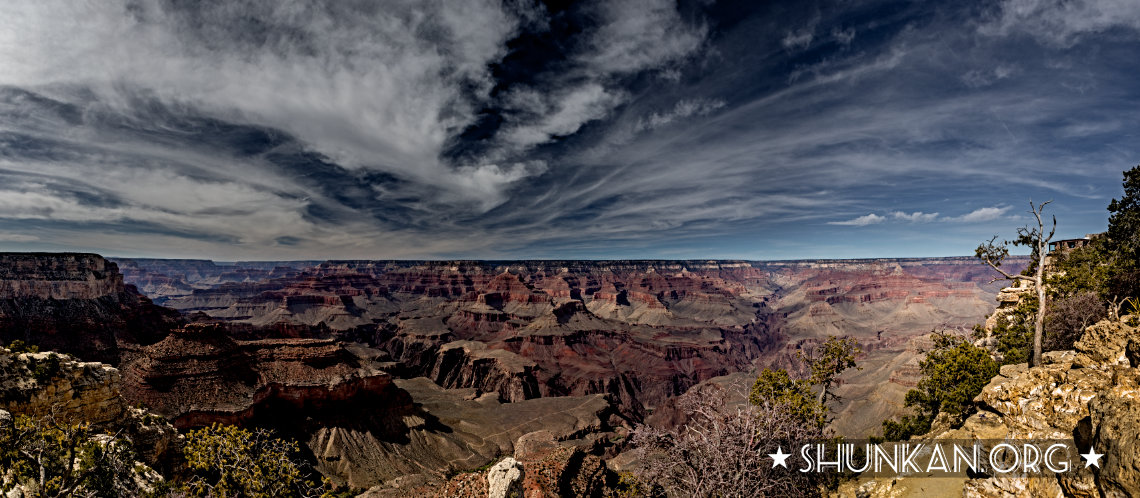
column 71, row 392
column 1090, row 395
column 200, row 375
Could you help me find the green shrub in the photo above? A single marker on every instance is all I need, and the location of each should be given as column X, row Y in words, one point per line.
column 51, row 458
column 953, row 374
column 46, row 370
column 230, row 461
column 18, row 346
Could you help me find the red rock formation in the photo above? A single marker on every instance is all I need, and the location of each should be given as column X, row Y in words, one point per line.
column 76, row 304
column 640, row 331
column 472, row 364
column 199, row 375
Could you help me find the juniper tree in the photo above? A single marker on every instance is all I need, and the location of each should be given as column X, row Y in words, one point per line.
column 1034, row 237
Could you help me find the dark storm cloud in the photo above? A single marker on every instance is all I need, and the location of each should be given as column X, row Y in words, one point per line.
column 633, row 128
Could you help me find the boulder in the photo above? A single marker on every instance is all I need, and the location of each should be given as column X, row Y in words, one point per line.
column 1115, row 419
column 504, row 479
column 1103, row 344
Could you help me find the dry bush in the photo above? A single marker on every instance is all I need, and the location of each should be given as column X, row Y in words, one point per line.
column 1068, row 317
column 722, row 450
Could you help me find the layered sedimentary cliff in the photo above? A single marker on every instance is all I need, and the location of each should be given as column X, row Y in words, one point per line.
column 471, row 364
column 640, row 331
column 58, row 276
column 163, row 279
column 200, row 375
column 458, row 360
column 78, row 304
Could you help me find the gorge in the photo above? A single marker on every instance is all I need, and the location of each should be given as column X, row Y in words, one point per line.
column 397, row 373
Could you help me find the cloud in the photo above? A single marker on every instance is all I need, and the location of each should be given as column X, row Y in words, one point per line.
column 798, row 40
column 375, row 87
column 637, row 35
column 862, row 221
column 982, row 214
column 915, row 217
column 271, row 129
column 683, row 109
column 631, row 36
column 978, row 215
column 17, row 237
column 976, row 78
column 1063, row 22
column 843, row 36
column 559, row 114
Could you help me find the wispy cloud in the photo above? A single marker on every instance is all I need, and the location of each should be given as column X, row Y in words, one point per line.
column 1063, row 23
column 486, row 129
column 976, row 216
column 862, row 221
column 17, row 237
column 683, row 109
column 982, row 214
column 802, row 37
column 915, row 217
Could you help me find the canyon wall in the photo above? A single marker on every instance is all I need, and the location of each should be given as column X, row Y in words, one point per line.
column 378, row 365
column 638, row 331
column 78, row 304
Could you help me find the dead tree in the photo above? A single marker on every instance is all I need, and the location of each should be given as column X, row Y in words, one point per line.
column 1035, row 238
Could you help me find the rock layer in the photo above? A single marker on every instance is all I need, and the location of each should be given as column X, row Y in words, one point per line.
column 76, row 304
column 200, row 375
column 639, row 331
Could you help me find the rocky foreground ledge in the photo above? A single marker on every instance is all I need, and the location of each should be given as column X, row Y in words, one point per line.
column 1090, row 394
column 70, row 391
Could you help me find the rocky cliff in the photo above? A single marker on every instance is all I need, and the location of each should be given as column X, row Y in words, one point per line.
column 639, row 331
column 49, row 384
column 454, row 430
column 200, row 375
column 164, row 279
column 540, row 467
column 1090, row 395
column 77, row 304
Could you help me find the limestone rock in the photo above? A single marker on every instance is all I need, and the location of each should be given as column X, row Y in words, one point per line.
column 534, row 445
column 39, row 384
column 1090, row 395
column 200, row 375
column 1058, row 357
column 71, row 392
column 461, row 364
column 470, row 485
column 504, row 479
column 545, row 467
column 1103, row 343
column 1115, row 419
column 76, row 304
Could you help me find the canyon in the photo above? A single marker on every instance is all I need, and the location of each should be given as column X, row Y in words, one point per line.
column 637, row 331
column 387, row 370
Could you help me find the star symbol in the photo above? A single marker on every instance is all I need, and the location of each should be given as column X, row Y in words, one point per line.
column 1092, row 458
column 779, row 457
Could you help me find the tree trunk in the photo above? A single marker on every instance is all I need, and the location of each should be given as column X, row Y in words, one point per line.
column 1039, row 283
column 1039, row 326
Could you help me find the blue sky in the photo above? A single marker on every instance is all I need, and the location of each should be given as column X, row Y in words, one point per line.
column 512, row 129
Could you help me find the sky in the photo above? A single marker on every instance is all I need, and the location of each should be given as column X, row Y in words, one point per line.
column 610, row 129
